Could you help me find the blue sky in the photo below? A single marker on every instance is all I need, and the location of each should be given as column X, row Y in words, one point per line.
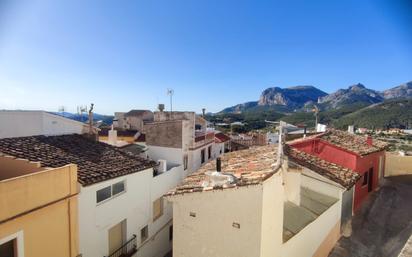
column 125, row 54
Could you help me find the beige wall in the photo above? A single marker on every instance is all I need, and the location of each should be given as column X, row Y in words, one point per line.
column 165, row 133
column 11, row 167
column 42, row 207
column 396, row 165
column 211, row 232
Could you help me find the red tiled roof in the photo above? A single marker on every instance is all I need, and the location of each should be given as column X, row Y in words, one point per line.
column 221, row 138
column 96, row 161
column 343, row 176
column 345, row 140
column 250, row 167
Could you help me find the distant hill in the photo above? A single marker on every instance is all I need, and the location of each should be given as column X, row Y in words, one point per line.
column 108, row 119
column 355, row 94
column 280, row 99
column 356, row 105
column 393, row 113
column 404, row 90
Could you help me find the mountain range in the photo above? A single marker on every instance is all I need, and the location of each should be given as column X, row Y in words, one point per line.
column 299, row 98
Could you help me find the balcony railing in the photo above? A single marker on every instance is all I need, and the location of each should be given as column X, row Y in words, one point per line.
column 126, row 250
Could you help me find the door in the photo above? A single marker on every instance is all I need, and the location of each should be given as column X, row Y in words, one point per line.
column 116, row 237
column 370, row 182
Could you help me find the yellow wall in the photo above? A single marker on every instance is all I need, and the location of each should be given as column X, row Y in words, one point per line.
column 396, row 165
column 129, row 139
column 43, row 206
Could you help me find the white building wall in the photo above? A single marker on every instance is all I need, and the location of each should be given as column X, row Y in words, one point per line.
column 272, row 216
column 218, row 149
column 173, row 155
column 135, row 205
column 211, row 233
column 32, row 123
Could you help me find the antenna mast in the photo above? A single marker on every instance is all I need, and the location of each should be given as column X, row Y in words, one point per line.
column 170, row 93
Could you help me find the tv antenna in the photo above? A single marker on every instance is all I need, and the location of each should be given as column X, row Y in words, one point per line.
column 170, row 93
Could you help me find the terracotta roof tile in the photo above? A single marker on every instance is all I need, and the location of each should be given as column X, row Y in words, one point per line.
column 341, row 175
column 220, row 138
column 352, row 142
column 96, row 161
column 249, row 167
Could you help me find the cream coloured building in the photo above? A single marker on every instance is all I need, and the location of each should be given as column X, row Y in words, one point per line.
column 260, row 205
column 38, row 209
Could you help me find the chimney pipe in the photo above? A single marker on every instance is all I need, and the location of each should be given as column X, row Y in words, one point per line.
column 218, row 164
column 203, row 112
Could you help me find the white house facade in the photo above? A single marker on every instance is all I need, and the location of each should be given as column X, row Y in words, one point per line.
column 32, row 123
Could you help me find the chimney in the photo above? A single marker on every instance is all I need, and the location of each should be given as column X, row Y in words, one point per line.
column 218, row 164
column 203, row 112
column 369, row 140
column 112, row 136
column 351, row 129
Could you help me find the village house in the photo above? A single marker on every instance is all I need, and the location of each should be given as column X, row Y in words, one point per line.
column 120, row 199
column 32, row 123
column 259, row 202
column 132, row 120
column 361, row 154
column 180, row 138
column 222, row 144
column 38, row 209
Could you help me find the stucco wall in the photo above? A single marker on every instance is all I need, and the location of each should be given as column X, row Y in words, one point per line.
column 174, row 155
column 165, row 133
column 41, row 210
column 135, row 205
column 211, row 232
column 397, row 165
column 272, row 216
column 363, row 165
column 30, row 123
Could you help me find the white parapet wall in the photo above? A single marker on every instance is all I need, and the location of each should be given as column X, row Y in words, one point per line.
column 396, row 165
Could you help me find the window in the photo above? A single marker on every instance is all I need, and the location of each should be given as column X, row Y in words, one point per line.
column 157, row 208
column 365, row 179
column 209, row 152
column 144, row 233
column 110, row 191
column 171, row 233
column 8, row 249
column 185, row 161
column 118, row 187
column 104, row 194
column 202, row 156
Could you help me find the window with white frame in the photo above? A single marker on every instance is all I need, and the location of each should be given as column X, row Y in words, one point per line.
column 8, row 249
column 12, row 245
column 110, row 191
